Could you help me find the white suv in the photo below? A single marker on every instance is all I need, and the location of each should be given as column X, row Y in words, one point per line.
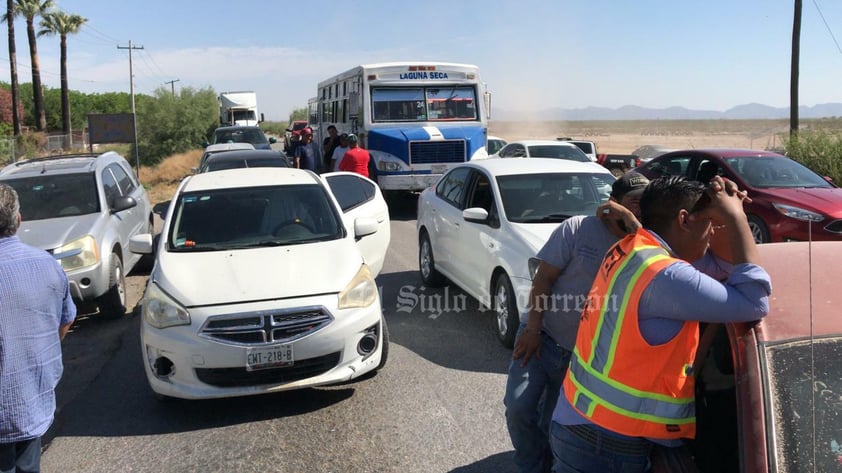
column 83, row 209
column 264, row 281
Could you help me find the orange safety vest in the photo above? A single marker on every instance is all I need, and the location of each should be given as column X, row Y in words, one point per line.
column 617, row 379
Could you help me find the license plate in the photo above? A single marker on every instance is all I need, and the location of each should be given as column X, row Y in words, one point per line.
column 268, row 357
column 438, row 168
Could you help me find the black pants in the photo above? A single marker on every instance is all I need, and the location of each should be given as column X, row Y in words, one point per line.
column 21, row 457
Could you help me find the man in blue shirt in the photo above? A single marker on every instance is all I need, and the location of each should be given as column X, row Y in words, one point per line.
column 36, row 311
column 308, row 155
column 682, row 219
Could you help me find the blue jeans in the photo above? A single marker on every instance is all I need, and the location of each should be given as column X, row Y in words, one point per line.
column 531, row 395
column 573, row 454
column 21, row 457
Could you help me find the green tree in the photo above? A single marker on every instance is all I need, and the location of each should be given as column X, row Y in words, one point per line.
column 298, row 114
column 9, row 18
column 29, row 9
column 62, row 24
column 168, row 124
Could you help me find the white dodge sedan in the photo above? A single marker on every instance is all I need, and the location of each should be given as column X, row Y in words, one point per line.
column 483, row 223
column 264, row 281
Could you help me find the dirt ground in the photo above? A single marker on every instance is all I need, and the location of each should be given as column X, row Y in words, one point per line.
column 616, row 138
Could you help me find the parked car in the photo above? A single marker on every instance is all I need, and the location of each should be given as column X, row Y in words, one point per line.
column 264, row 282
column 248, row 158
column 587, row 147
column 243, row 134
column 543, row 149
column 790, row 202
column 221, row 148
column 647, row 153
column 769, row 394
column 484, row 220
column 494, row 144
column 83, row 209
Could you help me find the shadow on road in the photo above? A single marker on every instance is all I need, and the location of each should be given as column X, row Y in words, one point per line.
column 444, row 325
column 498, row 463
column 402, row 205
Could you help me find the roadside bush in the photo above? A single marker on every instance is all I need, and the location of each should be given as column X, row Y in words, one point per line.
column 274, row 128
column 819, row 150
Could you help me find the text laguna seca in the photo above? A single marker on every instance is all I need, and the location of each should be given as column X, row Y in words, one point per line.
column 422, row 75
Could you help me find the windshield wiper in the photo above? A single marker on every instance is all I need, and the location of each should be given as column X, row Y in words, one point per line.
column 262, row 243
column 551, row 218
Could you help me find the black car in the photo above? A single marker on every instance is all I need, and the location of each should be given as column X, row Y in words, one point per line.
column 245, row 158
column 243, row 134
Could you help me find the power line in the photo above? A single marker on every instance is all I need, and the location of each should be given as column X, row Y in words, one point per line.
column 172, row 84
column 827, row 26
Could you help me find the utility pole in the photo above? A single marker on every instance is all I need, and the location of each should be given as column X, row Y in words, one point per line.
column 131, row 47
column 172, row 84
column 793, row 78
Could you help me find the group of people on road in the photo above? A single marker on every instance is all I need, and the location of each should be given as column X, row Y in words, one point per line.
column 36, row 311
column 337, row 153
column 598, row 386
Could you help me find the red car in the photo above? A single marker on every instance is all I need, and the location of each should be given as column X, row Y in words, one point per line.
column 769, row 394
column 787, row 196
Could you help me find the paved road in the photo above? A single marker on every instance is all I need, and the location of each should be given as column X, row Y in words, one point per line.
column 435, row 407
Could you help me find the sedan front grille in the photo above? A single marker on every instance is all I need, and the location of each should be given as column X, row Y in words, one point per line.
column 237, row 377
column 268, row 327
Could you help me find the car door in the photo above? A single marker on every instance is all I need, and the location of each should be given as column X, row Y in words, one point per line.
column 132, row 221
column 359, row 197
column 479, row 243
column 446, row 219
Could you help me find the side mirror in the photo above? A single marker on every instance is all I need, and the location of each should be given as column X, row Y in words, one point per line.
column 194, row 170
column 141, row 244
column 272, row 140
column 475, row 215
column 205, row 144
column 124, row 202
column 364, row 226
column 261, row 118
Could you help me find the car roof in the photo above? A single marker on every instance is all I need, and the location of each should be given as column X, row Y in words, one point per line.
column 59, row 164
column 244, row 154
column 726, row 153
column 543, row 143
column 227, row 147
column 513, row 166
column 803, row 281
column 238, row 127
column 491, row 137
column 248, row 177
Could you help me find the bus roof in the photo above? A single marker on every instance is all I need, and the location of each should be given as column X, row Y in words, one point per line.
column 367, row 68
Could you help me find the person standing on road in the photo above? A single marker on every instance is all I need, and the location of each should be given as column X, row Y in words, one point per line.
column 356, row 159
column 329, row 144
column 630, row 381
column 307, row 154
column 569, row 262
column 36, row 311
column 339, row 152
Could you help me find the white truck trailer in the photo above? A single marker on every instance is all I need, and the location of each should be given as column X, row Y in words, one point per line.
column 238, row 109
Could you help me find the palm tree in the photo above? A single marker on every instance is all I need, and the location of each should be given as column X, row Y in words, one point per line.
column 63, row 24
column 29, row 9
column 9, row 18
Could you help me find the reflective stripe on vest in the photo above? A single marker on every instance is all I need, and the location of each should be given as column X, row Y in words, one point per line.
column 614, row 399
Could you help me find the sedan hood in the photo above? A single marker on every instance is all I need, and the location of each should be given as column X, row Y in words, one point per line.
column 827, row 201
column 534, row 234
column 234, row 276
column 51, row 233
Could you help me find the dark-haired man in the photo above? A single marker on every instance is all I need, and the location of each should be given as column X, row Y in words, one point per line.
column 630, row 380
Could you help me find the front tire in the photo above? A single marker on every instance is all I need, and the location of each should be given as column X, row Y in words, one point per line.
column 759, row 230
column 427, row 264
column 113, row 302
column 505, row 308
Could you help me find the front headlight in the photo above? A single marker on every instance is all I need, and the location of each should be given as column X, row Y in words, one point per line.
column 360, row 292
column 798, row 213
column 389, row 166
column 162, row 311
column 78, row 254
column 533, row 267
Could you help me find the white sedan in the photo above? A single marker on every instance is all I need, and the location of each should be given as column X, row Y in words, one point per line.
column 543, row 149
column 483, row 223
column 263, row 282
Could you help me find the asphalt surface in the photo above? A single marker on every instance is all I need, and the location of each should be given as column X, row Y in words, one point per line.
column 435, row 407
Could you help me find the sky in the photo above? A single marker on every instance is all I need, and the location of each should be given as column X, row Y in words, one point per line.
column 532, row 54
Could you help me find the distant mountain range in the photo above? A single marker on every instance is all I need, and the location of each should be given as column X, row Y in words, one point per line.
column 633, row 112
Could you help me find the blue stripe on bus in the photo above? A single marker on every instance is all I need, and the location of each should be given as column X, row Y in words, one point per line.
column 395, row 140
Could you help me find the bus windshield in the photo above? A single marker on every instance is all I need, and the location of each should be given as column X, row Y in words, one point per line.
column 422, row 104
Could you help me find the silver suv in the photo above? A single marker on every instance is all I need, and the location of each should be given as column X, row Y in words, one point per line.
column 83, row 209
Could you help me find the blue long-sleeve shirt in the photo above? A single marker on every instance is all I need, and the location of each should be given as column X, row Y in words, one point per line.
column 682, row 292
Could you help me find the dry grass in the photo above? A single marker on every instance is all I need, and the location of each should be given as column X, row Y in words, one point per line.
column 162, row 180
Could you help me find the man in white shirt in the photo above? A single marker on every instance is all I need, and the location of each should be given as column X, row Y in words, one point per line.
column 339, row 152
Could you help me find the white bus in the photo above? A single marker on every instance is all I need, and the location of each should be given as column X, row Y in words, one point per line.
column 417, row 119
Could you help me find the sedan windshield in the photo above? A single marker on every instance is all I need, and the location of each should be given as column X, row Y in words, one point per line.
column 775, row 172
column 236, row 218
column 59, row 195
column 559, row 152
column 552, row 197
column 806, row 399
